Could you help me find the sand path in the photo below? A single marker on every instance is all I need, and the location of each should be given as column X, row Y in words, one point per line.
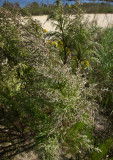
column 103, row 20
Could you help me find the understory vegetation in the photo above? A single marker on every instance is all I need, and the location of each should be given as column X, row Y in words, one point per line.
column 56, row 88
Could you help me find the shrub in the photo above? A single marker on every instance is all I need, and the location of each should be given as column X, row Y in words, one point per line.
column 43, row 105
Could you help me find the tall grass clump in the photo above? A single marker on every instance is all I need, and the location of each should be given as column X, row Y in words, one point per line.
column 106, row 69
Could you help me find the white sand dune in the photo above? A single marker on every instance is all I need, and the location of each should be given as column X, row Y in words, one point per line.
column 103, row 20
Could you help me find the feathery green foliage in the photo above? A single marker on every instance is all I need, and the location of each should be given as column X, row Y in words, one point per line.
column 49, row 100
column 41, row 100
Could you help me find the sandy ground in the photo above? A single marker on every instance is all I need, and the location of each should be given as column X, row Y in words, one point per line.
column 103, row 20
column 26, row 156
